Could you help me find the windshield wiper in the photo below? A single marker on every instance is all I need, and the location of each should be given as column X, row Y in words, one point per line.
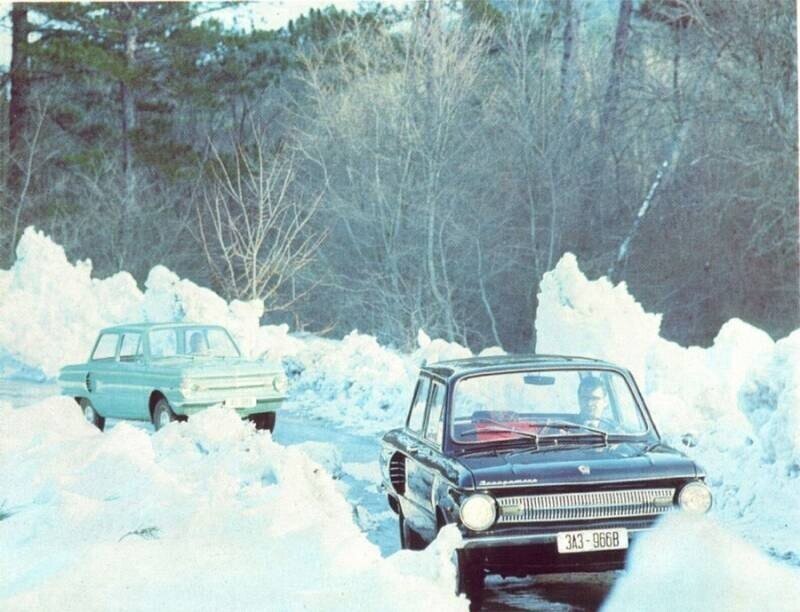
column 571, row 425
column 574, row 442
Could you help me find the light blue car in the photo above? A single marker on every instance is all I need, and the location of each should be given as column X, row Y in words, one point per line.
column 162, row 372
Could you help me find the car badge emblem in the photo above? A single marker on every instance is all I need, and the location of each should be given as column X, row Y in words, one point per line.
column 584, row 469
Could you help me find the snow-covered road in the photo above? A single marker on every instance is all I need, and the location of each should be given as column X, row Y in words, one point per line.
column 352, row 459
column 557, row 592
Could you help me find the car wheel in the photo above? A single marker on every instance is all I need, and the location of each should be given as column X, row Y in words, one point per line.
column 469, row 575
column 265, row 420
column 90, row 414
column 409, row 539
column 162, row 414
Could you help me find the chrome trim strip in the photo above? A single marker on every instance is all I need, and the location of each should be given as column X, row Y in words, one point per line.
column 582, row 506
column 522, row 540
column 572, row 483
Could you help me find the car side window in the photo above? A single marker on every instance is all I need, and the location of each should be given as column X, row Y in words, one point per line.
column 131, row 347
column 434, row 430
column 106, row 347
column 163, row 343
column 416, row 416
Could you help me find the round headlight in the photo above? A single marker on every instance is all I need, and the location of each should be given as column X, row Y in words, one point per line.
column 695, row 497
column 478, row 512
column 188, row 387
column 280, row 384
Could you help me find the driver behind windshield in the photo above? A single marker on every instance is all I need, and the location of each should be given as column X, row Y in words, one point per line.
column 593, row 401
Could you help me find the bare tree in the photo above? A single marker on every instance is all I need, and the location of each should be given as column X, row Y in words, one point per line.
column 542, row 139
column 393, row 136
column 611, row 99
column 31, row 156
column 253, row 223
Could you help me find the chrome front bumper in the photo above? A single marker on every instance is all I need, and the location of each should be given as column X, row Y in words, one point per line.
column 192, row 406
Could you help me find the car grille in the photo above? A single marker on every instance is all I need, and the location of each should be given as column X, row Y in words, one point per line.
column 253, row 383
column 585, row 506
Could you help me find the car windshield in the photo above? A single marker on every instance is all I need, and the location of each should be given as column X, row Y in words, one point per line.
column 540, row 404
column 193, row 342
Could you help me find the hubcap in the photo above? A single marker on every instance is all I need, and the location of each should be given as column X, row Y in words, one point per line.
column 163, row 419
column 88, row 412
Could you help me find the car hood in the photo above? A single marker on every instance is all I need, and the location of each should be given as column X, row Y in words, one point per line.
column 582, row 464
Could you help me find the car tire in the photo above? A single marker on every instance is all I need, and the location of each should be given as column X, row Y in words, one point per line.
column 409, row 539
column 162, row 414
column 469, row 575
column 90, row 414
column 265, row 420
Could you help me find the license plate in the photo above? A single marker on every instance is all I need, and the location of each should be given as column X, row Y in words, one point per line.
column 241, row 402
column 592, row 539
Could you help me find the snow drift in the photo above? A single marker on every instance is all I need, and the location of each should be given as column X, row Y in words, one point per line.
column 691, row 564
column 51, row 310
column 204, row 515
column 353, row 382
column 740, row 397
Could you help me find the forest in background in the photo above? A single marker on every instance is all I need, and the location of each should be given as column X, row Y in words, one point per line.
column 389, row 171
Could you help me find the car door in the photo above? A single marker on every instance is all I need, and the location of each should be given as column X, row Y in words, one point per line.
column 100, row 373
column 415, row 425
column 425, row 463
column 431, row 459
column 127, row 380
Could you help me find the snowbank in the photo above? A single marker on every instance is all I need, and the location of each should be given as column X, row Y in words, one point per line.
column 47, row 304
column 61, row 307
column 741, row 397
column 204, row 515
column 690, row 563
column 357, row 383
column 354, row 382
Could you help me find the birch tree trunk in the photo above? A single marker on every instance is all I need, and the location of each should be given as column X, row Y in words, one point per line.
column 127, row 95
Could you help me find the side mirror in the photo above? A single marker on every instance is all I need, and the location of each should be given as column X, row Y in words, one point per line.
column 689, row 440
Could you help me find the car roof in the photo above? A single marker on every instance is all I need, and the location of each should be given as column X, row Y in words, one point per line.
column 144, row 327
column 456, row 368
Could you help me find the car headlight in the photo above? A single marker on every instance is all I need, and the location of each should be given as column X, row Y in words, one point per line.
column 478, row 512
column 695, row 497
column 280, row 384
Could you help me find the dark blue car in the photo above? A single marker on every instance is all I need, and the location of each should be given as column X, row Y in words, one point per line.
column 546, row 464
